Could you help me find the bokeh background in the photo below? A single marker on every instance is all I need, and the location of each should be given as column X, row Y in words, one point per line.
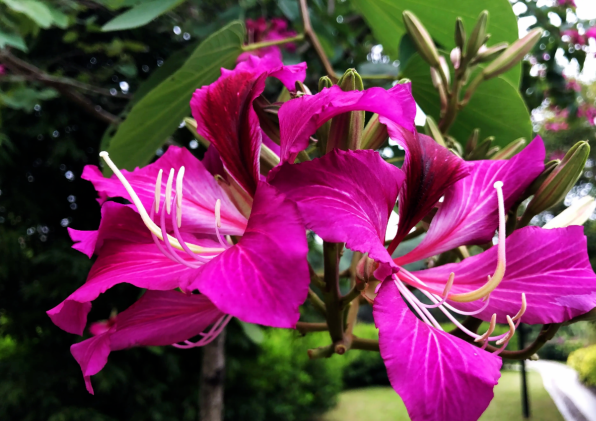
column 47, row 136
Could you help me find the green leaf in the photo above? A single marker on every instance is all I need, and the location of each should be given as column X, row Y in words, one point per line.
column 385, row 19
column 36, row 10
column 254, row 332
column 158, row 114
column 497, row 108
column 13, row 40
column 140, row 15
column 26, row 98
column 60, row 19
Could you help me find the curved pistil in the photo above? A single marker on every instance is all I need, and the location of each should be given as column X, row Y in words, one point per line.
column 145, row 216
column 495, row 280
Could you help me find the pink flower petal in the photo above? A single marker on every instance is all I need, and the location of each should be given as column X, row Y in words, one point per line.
column 550, row 266
column 438, row 376
column 200, row 191
column 430, row 169
column 299, row 118
column 344, row 196
column 264, row 278
column 225, row 115
column 158, row 318
column 469, row 213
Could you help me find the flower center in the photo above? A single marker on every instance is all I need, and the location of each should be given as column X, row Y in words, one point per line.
column 439, row 301
column 160, row 232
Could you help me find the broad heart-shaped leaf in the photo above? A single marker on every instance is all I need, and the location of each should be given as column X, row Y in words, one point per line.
column 385, row 19
column 140, row 15
column 158, row 114
column 497, row 108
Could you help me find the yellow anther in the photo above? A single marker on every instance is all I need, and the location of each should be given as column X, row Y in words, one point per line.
column 145, row 216
column 522, row 309
column 158, row 190
column 179, row 179
column 448, row 285
column 491, row 329
column 495, row 280
column 169, row 191
column 218, row 213
column 509, row 334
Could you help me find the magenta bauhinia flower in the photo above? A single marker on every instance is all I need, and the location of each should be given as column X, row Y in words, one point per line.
column 535, row 276
column 260, row 30
column 178, row 231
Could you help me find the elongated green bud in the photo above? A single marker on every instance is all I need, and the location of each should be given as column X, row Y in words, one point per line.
column 490, row 53
column 510, row 150
column 549, row 167
column 346, row 129
column 424, row 42
column 323, row 131
column 460, row 34
column 481, row 150
column 472, row 141
column 477, row 36
column 512, row 55
column 433, row 131
column 374, row 134
column 556, row 186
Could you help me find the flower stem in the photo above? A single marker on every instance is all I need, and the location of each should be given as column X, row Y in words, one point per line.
column 331, row 291
column 257, row 45
column 365, row 344
column 317, row 303
column 304, row 327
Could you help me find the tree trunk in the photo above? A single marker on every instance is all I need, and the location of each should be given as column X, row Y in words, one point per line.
column 212, row 380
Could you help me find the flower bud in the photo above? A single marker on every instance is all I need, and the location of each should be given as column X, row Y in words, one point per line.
column 365, row 269
column 267, row 114
column 460, row 34
column 512, row 55
column 510, row 150
column 481, row 150
column 472, row 141
column 433, row 131
column 556, row 186
column 488, row 54
column 478, row 35
column 424, row 42
column 323, row 131
column 346, row 129
column 374, row 134
column 548, row 169
column 576, row 214
column 455, row 57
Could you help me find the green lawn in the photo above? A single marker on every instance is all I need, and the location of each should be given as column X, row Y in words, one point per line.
column 382, row 404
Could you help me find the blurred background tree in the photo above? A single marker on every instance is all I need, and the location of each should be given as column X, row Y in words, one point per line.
column 70, row 72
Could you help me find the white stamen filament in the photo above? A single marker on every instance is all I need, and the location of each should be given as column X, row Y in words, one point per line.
column 509, row 334
column 491, row 329
column 158, row 190
column 169, row 191
column 218, row 213
column 208, row 336
column 495, row 280
column 145, row 216
column 179, row 179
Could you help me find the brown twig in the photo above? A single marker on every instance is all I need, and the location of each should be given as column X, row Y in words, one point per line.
column 314, row 40
column 23, row 68
column 546, row 334
column 305, row 327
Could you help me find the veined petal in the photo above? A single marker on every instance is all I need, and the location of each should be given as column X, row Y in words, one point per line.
column 469, row 213
column 430, row 170
column 225, row 115
column 158, row 318
column 550, row 266
column 299, row 118
column 141, row 265
column 438, row 376
column 200, row 191
column 344, row 197
column 118, row 222
column 264, row 278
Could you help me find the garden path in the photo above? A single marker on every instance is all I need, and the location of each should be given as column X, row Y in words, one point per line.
column 574, row 400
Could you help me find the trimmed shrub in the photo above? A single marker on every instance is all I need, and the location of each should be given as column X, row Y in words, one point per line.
column 583, row 361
